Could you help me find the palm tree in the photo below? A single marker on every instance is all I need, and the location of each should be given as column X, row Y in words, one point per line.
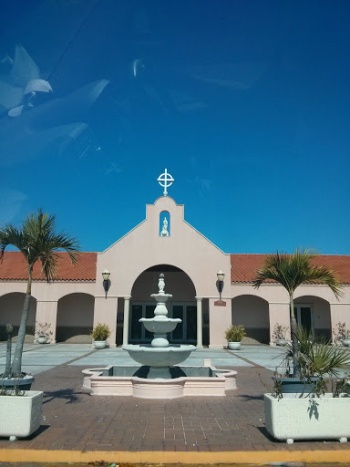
column 37, row 240
column 291, row 271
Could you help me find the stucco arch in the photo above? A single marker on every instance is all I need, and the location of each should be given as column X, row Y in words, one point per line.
column 177, row 283
column 10, row 312
column 253, row 313
column 75, row 317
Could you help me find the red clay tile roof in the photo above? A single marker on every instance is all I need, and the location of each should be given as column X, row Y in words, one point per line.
column 14, row 267
column 244, row 266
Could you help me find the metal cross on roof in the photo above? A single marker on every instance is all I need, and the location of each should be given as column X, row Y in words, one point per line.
column 165, row 180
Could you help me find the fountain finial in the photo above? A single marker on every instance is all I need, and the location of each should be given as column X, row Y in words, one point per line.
column 161, row 283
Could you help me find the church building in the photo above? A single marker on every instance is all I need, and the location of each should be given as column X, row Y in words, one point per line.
column 210, row 289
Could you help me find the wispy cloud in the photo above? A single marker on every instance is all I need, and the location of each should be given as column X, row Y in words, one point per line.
column 201, row 185
column 114, row 168
column 11, row 203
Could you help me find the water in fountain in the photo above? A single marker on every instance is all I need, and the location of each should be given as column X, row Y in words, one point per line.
column 159, row 355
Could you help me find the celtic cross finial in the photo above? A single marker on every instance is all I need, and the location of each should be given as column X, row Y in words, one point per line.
column 165, row 180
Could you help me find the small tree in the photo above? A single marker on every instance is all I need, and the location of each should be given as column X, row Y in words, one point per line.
column 37, row 240
column 290, row 271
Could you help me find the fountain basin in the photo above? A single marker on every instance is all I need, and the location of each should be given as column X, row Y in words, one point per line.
column 134, row 381
column 160, row 324
column 159, row 356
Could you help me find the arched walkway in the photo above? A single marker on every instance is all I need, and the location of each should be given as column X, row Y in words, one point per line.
column 75, row 317
column 10, row 312
column 253, row 313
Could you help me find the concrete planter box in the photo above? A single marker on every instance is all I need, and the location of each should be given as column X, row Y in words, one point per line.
column 20, row 416
column 308, row 418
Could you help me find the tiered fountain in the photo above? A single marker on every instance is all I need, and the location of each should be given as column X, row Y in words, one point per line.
column 160, row 355
column 159, row 377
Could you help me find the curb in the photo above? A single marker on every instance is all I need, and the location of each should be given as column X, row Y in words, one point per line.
column 170, row 457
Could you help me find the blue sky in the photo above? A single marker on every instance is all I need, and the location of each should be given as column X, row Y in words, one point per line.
column 246, row 103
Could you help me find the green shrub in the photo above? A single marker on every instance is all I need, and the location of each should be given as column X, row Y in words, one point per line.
column 235, row 333
column 100, row 332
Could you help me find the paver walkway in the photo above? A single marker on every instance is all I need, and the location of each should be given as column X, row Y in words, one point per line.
column 77, row 427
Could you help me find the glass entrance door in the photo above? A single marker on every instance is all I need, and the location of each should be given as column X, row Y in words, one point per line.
column 138, row 333
column 185, row 332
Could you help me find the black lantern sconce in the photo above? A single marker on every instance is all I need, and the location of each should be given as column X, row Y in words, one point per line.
column 106, row 281
column 220, row 282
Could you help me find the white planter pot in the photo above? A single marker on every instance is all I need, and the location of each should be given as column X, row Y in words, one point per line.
column 41, row 340
column 281, row 342
column 234, row 345
column 292, row 418
column 20, row 416
column 100, row 344
column 346, row 342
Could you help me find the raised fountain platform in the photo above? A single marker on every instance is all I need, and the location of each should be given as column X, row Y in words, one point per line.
column 159, row 377
column 140, row 382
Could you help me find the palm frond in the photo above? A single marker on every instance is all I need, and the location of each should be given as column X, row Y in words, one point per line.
column 10, row 235
column 38, row 241
column 290, row 271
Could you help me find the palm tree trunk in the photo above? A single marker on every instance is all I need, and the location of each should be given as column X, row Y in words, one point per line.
column 293, row 329
column 17, row 358
column 9, row 330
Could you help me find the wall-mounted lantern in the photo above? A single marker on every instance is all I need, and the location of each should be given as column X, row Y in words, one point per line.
column 220, row 286
column 106, row 281
column 220, row 282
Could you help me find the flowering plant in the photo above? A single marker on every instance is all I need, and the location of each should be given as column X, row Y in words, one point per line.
column 279, row 332
column 43, row 330
column 340, row 333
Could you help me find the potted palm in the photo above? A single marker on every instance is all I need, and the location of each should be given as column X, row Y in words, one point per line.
column 311, row 411
column 315, row 361
column 37, row 240
column 234, row 336
column 305, row 413
column 291, row 271
column 100, row 334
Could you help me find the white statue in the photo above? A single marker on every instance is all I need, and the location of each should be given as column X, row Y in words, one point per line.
column 161, row 283
column 164, row 232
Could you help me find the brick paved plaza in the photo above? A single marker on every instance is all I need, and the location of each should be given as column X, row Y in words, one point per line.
column 191, row 429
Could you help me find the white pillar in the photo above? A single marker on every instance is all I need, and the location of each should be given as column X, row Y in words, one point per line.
column 126, row 320
column 199, row 323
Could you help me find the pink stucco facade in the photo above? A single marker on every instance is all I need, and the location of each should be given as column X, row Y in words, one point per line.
column 190, row 263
